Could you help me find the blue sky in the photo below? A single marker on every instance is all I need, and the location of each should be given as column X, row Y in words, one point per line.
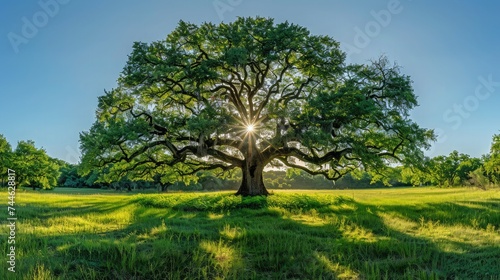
column 58, row 56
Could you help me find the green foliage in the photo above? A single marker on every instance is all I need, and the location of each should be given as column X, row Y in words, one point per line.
column 453, row 169
column 479, row 178
column 276, row 179
column 210, row 181
column 299, row 179
column 69, row 177
column 34, row 168
column 5, row 155
column 416, row 176
column 492, row 162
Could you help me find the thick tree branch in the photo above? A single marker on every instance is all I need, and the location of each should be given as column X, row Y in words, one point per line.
column 326, row 173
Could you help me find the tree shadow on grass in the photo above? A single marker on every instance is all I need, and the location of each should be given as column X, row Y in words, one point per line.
column 345, row 239
column 426, row 240
column 474, row 214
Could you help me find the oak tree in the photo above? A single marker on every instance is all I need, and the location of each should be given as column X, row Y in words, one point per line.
column 249, row 94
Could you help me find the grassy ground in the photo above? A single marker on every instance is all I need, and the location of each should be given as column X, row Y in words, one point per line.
column 412, row 233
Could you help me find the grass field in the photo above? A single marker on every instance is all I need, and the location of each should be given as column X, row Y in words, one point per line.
column 403, row 233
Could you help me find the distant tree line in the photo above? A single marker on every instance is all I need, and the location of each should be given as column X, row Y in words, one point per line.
column 458, row 169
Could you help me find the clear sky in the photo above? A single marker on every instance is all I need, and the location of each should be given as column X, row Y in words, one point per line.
column 58, row 56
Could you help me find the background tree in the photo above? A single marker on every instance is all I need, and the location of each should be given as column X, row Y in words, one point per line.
column 492, row 163
column 5, row 157
column 467, row 167
column 417, row 175
column 479, row 178
column 70, row 178
column 247, row 94
column 453, row 169
column 34, row 168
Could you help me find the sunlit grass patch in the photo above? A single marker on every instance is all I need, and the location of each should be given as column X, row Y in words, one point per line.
column 232, row 233
column 337, row 270
column 225, row 260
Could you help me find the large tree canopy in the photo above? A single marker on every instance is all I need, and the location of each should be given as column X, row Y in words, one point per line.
column 248, row 94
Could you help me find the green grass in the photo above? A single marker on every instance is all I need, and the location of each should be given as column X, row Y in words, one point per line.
column 409, row 233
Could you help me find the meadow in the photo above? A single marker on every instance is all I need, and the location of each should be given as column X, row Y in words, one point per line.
column 393, row 233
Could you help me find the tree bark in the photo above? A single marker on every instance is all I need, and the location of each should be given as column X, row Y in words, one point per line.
column 252, row 182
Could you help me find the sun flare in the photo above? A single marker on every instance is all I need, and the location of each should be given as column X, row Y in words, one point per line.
column 250, row 128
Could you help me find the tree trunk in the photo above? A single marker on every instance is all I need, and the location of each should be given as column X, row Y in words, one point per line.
column 252, row 182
